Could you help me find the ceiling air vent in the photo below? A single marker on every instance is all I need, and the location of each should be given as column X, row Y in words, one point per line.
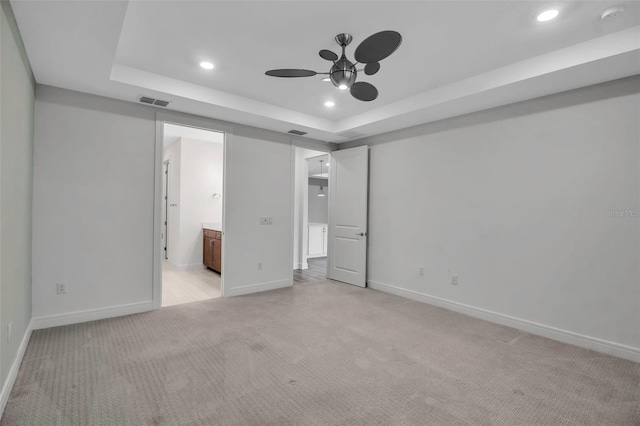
column 297, row 132
column 152, row 101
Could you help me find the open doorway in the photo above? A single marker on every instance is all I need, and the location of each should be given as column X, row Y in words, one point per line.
column 311, row 201
column 191, row 222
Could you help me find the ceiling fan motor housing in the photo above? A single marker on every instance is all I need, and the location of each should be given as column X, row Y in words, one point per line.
column 343, row 39
column 343, row 73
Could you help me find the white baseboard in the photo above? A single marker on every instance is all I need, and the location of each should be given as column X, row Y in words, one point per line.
column 611, row 348
column 90, row 315
column 15, row 367
column 255, row 288
column 187, row 267
column 304, row 265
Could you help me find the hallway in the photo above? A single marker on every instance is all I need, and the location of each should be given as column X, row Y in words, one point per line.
column 317, row 271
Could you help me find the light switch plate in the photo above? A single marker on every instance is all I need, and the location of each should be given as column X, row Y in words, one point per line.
column 266, row 221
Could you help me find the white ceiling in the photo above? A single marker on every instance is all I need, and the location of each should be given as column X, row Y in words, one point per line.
column 456, row 57
column 173, row 132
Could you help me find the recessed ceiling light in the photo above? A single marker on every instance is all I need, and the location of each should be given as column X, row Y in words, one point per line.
column 206, row 65
column 326, row 79
column 547, row 15
column 343, row 87
column 329, row 104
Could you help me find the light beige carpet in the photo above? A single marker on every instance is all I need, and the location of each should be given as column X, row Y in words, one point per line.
column 322, row 353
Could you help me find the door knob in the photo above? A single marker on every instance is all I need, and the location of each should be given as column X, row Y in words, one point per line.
column 362, row 234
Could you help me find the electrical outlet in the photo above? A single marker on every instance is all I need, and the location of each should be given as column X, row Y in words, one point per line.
column 61, row 288
column 420, row 270
column 266, row 221
column 9, row 331
column 259, row 266
column 454, row 280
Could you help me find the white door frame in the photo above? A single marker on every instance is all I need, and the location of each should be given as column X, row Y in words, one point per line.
column 295, row 143
column 305, row 217
column 181, row 119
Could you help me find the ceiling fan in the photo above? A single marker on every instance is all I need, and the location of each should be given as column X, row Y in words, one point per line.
column 343, row 72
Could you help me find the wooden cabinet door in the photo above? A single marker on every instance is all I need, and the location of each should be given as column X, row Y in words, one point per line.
column 207, row 256
column 217, row 255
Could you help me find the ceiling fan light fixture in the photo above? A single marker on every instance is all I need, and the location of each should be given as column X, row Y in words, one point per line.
column 343, row 73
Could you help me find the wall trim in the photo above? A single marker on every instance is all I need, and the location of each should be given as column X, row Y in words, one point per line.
column 188, row 266
column 15, row 367
column 304, row 265
column 611, row 348
column 255, row 288
column 76, row 317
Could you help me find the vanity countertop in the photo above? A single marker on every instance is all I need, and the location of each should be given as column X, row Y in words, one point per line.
column 212, row 226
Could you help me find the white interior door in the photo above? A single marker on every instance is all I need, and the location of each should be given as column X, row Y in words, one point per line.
column 348, row 193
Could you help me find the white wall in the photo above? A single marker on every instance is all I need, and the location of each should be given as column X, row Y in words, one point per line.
column 197, row 167
column 259, row 183
column 93, row 204
column 318, row 206
column 202, row 178
column 17, row 90
column 514, row 201
column 94, row 183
